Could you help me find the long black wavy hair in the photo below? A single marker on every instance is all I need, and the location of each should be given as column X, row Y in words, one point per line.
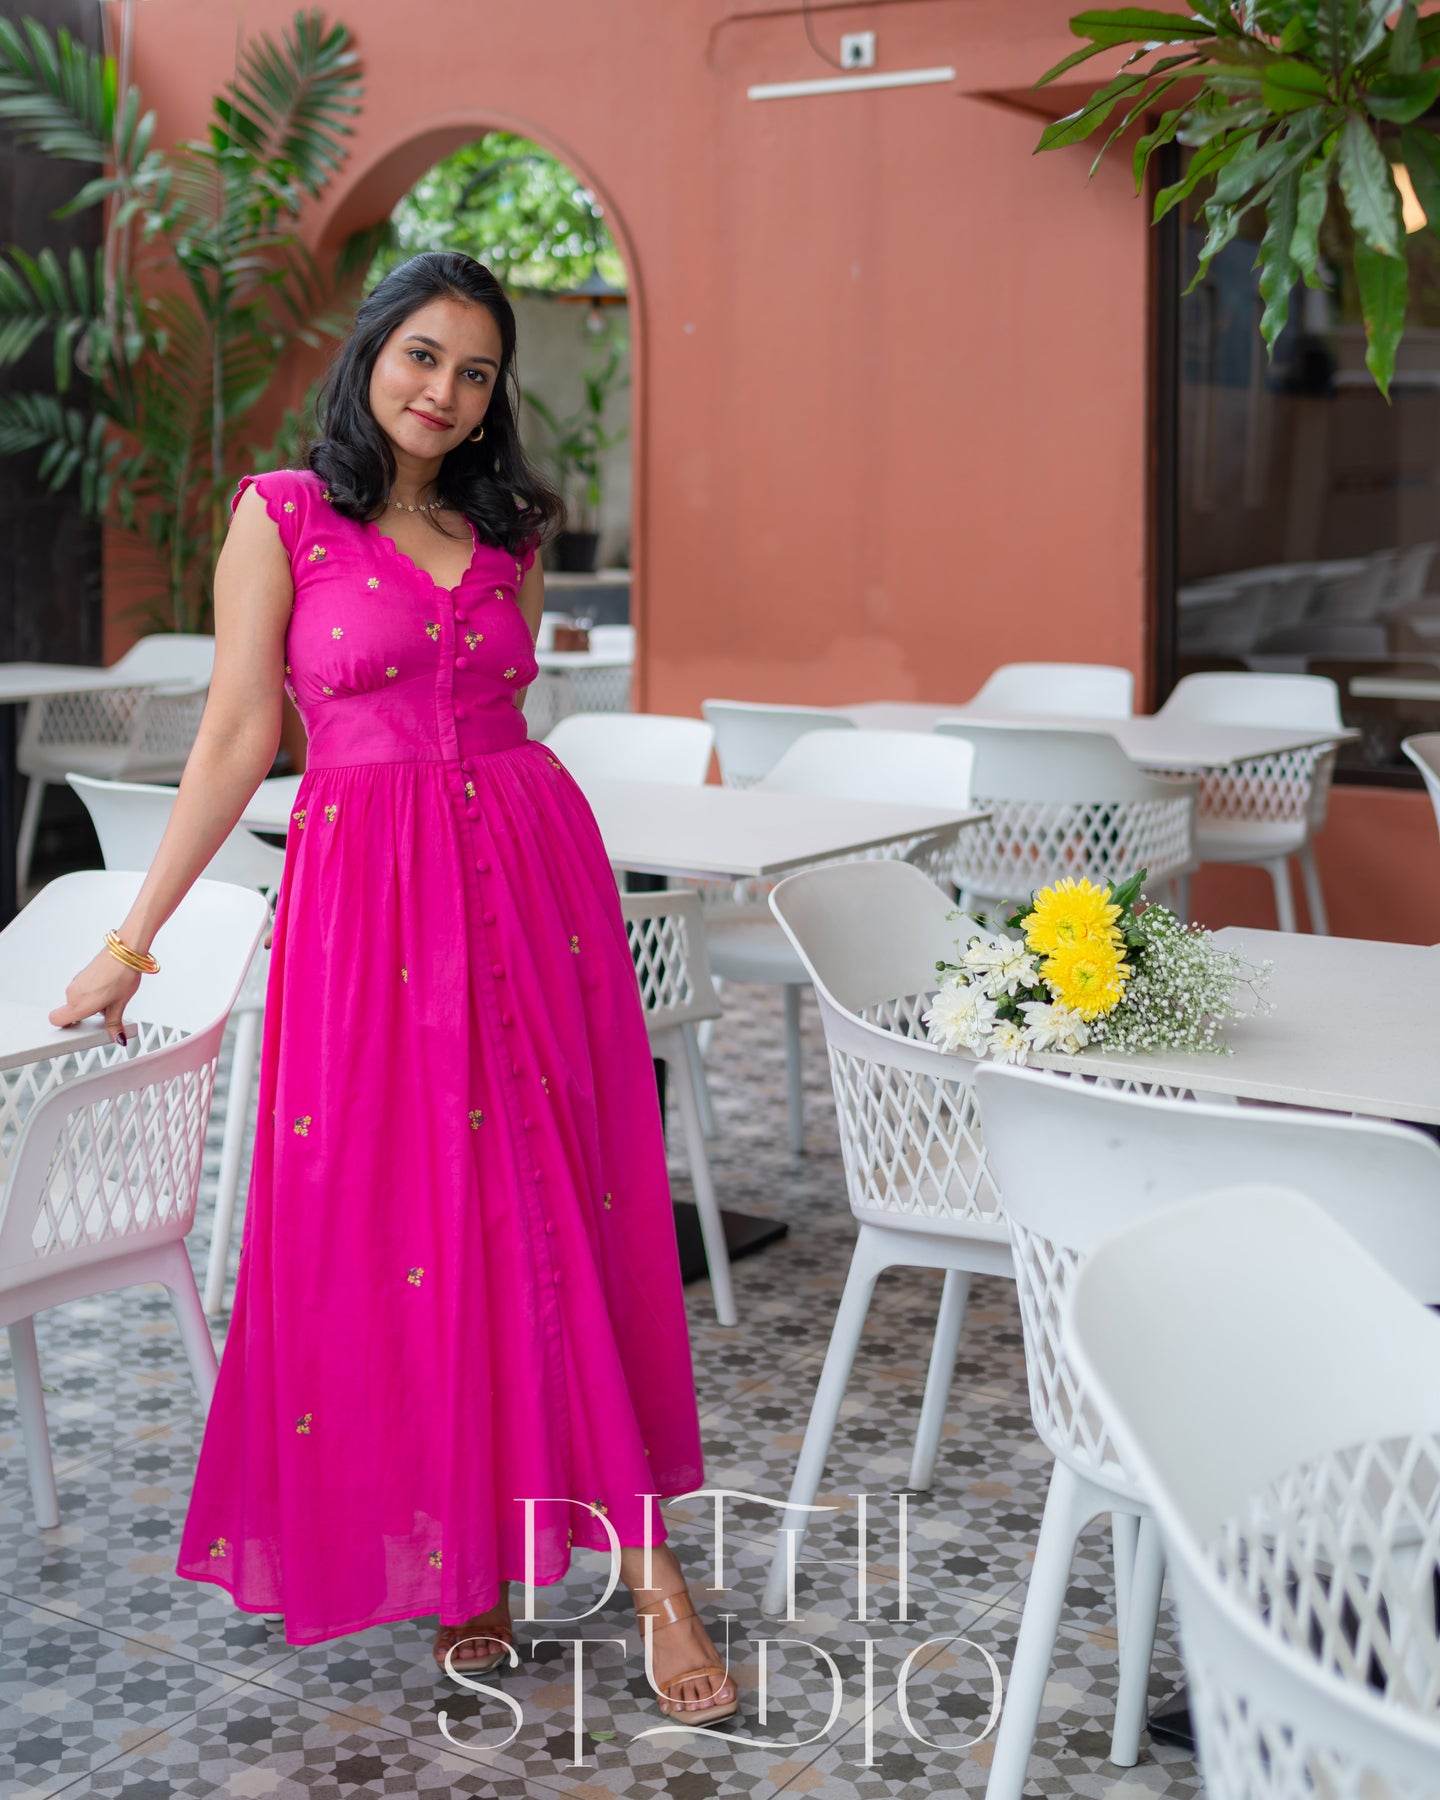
column 509, row 502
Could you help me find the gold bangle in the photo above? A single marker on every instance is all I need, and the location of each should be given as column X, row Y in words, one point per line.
column 142, row 964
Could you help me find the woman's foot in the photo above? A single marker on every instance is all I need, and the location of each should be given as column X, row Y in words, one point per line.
column 480, row 1645
column 684, row 1666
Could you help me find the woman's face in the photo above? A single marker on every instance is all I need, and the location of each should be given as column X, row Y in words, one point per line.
column 434, row 376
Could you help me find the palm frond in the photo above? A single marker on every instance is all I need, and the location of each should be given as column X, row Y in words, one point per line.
column 57, row 95
column 291, row 103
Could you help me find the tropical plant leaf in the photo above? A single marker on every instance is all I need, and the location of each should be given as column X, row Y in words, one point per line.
column 1405, row 55
column 1077, row 126
column 1279, row 270
column 291, row 104
column 1289, row 86
column 1399, row 99
column 1371, row 197
column 1384, row 285
column 1312, row 199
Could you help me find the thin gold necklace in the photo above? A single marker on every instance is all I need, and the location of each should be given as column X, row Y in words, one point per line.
column 425, row 506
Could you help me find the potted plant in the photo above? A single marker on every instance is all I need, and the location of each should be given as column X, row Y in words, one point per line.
column 578, row 441
column 1287, row 107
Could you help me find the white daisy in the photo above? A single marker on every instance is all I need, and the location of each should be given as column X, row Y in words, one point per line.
column 960, row 1017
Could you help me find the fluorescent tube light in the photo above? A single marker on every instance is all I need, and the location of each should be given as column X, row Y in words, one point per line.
column 847, row 84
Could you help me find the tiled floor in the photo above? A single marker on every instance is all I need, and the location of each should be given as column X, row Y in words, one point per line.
column 118, row 1679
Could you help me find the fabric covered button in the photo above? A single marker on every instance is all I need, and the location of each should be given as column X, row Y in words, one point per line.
column 507, row 1019
column 473, row 809
column 462, row 712
column 514, row 1067
column 483, row 867
column 498, row 971
column 462, row 662
column 468, row 765
column 529, row 1124
column 487, row 918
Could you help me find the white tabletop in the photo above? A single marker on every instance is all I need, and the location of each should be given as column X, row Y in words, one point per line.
column 557, row 661
column 38, row 681
column 27, row 1036
column 1147, row 739
column 1353, row 1030
column 662, row 828
column 1395, row 687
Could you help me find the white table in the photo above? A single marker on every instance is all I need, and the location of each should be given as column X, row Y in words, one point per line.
column 663, row 828
column 1147, row 739
column 27, row 1036
column 19, row 683
column 564, row 662
column 1395, row 687
column 1353, row 1031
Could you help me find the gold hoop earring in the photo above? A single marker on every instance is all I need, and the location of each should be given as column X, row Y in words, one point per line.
column 476, row 435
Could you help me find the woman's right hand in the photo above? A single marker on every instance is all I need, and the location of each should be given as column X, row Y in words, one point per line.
column 104, row 985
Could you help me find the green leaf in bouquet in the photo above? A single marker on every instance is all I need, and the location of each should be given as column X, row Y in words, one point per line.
column 1128, row 891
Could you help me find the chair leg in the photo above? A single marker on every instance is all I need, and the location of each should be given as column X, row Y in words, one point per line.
column 948, row 1326
column 712, row 1226
column 1137, row 1645
column 1124, row 1532
column 1181, row 886
column 243, row 1059
column 700, row 1081
column 866, row 1264
column 1314, row 893
column 794, row 1068
column 30, row 1401
column 705, row 1030
column 29, row 830
column 1069, row 1506
column 179, row 1278
column 1279, row 868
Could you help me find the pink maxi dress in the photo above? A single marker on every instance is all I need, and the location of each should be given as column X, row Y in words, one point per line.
column 458, row 1280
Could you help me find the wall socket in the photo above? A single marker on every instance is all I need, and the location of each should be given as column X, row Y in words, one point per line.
column 857, row 50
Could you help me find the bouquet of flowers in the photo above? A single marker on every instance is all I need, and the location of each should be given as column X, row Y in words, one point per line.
column 1089, row 966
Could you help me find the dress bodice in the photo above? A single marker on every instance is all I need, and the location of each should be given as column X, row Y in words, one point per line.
column 383, row 664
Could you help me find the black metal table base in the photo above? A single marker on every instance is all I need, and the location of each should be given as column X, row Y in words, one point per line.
column 744, row 1234
column 1172, row 1724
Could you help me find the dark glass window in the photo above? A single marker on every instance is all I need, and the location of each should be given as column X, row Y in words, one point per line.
column 1304, row 511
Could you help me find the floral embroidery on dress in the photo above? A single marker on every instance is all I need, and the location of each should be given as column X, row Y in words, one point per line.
column 289, row 506
column 325, row 494
column 574, row 946
column 469, row 790
column 317, row 553
column 499, row 593
column 220, row 1546
column 415, row 1277
column 434, row 1559
column 552, row 762
column 373, row 582
column 332, row 813
column 299, row 817
column 337, row 631
column 477, row 1118
column 325, row 690
column 519, row 570
column 598, row 1506
column 432, row 631
column 545, row 1083
column 474, row 638
column 302, row 1424
column 390, row 674
column 302, row 1125
column 510, row 674
column 608, row 1199
column 288, row 669
column 404, row 973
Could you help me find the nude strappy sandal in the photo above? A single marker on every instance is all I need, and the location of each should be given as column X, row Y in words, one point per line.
column 674, row 1609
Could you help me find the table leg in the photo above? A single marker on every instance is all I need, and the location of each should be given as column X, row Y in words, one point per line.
column 9, row 820
column 744, row 1232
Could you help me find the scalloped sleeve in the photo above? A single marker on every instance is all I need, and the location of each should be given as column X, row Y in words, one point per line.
column 287, row 496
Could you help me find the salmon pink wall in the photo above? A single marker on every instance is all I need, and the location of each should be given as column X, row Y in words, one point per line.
column 890, row 367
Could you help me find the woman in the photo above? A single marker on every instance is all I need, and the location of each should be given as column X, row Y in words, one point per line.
column 458, row 1285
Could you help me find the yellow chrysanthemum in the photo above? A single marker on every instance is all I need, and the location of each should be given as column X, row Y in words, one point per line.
column 1071, row 912
column 1089, row 976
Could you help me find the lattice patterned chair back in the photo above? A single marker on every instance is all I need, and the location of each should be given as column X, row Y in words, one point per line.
column 667, row 942
column 633, row 747
column 125, row 730
column 1289, row 793
column 101, row 1149
column 869, row 935
column 1277, row 1393
column 1078, row 1162
column 1066, row 803
column 603, row 687
column 751, row 737
column 1077, row 690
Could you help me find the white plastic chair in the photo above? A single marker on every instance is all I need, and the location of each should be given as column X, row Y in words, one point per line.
column 633, row 746
column 751, row 737
column 1067, row 803
column 613, row 640
column 145, row 731
column 1284, row 1423
column 1079, row 690
column 1075, row 1163
column 1424, row 751
column 101, row 1149
column 1273, row 808
column 906, row 766
column 667, row 941
column 130, row 820
column 869, row 935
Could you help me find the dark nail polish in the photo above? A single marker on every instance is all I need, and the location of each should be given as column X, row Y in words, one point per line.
column 121, row 1039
